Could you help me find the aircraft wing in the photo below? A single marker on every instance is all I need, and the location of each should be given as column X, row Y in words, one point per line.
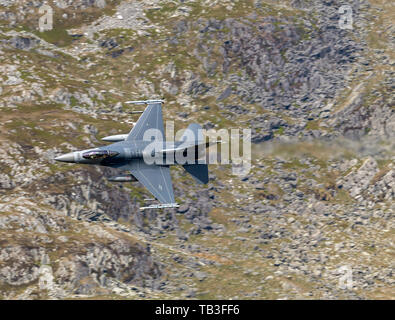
column 155, row 178
column 150, row 119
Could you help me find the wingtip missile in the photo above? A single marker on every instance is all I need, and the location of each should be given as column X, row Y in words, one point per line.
column 161, row 206
column 144, row 101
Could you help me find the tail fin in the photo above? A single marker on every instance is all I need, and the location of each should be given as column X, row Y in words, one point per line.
column 193, row 133
column 198, row 171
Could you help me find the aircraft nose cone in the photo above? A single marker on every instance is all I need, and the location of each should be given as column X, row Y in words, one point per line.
column 68, row 157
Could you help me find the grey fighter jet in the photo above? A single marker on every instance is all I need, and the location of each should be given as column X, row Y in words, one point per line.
column 146, row 156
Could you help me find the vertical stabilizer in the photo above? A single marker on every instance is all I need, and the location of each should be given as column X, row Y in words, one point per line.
column 194, row 133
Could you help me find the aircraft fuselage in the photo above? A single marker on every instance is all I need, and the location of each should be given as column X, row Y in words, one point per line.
column 125, row 151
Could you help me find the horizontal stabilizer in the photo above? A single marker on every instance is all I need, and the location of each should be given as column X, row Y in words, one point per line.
column 160, row 206
column 144, row 101
column 198, row 171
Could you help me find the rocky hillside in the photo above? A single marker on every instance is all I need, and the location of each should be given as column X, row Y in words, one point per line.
column 318, row 200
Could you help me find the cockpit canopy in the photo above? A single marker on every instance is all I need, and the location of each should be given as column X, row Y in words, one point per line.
column 99, row 154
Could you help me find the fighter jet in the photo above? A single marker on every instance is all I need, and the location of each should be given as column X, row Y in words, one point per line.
column 146, row 156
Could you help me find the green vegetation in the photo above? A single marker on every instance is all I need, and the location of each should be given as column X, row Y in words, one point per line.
column 56, row 36
column 313, row 125
column 280, row 131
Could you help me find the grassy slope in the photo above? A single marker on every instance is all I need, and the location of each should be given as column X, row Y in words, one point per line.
column 228, row 278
